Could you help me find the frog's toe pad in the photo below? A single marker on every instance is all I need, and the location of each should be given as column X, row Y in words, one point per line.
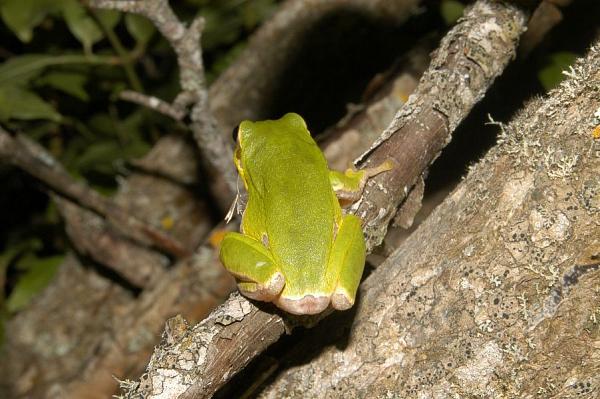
column 308, row 304
column 340, row 300
column 266, row 292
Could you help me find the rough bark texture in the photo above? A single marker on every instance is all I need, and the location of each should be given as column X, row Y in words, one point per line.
column 176, row 364
column 496, row 294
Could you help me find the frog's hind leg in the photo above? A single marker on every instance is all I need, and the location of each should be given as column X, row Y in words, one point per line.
column 250, row 262
column 347, row 262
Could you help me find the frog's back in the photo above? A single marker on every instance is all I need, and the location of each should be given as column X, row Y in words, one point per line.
column 290, row 182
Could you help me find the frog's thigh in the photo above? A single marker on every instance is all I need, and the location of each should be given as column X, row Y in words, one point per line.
column 347, row 261
column 250, row 262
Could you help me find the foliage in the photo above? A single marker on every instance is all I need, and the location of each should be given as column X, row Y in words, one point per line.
column 62, row 66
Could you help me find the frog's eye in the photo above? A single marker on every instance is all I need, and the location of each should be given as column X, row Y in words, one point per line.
column 235, row 133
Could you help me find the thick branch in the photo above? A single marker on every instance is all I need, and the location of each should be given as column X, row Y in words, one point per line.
column 494, row 25
column 34, row 160
column 465, row 65
column 91, row 236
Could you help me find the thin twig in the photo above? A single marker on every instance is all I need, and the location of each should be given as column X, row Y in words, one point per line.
column 217, row 153
column 154, row 103
column 136, row 6
column 27, row 155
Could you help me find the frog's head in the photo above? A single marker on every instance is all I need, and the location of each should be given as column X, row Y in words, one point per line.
column 250, row 134
column 257, row 139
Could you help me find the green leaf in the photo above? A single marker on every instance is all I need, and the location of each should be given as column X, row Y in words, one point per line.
column 551, row 74
column 19, row 70
column 68, row 82
column 22, row 16
column 451, row 11
column 109, row 18
column 140, row 28
column 40, row 272
column 19, row 103
column 102, row 124
column 83, row 26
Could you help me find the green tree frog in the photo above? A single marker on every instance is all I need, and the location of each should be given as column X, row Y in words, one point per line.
column 296, row 247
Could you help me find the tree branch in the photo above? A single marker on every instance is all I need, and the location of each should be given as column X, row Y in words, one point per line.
column 34, row 160
column 216, row 153
column 464, row 66
column 469, row 58
column 92, row 236
column 154, row 103
column 195, row 286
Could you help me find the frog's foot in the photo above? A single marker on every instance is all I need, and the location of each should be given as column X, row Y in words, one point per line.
column 267, row 292
column 341, row 300
column 349, row 186
column 347, row 262
column 308, row 304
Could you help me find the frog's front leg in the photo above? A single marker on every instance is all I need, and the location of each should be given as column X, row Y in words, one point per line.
column 348, row 186
column 250, row 262
column 347, row 262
